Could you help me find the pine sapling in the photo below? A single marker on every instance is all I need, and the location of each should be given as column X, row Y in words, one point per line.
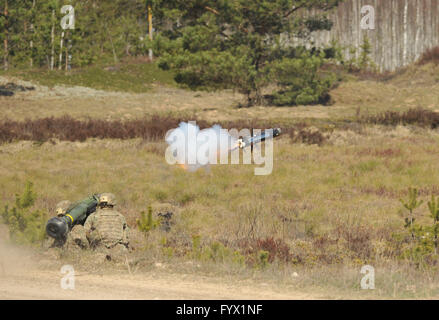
column 146, row 223
column 411, row 204
column 433, row 205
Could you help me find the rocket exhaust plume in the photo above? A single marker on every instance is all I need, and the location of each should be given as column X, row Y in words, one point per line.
column 192, row 148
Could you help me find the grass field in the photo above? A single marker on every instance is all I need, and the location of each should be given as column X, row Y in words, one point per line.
column 324, row 212
column 346, row 193
column 135, row 76
column 415, row 87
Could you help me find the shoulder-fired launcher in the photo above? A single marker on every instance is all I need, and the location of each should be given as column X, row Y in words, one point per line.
column 59, row 227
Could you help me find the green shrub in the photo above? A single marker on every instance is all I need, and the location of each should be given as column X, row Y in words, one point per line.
column 411, row 204
column 364, row 62
column 421, row 247
column 215, row 252
column 196, row 247
column 433, row 206
column 147, row 223
column 263, row 259
column 220, row 253
column 168, row 252
column 26, row 226
column 420, row 251
column 301, row 81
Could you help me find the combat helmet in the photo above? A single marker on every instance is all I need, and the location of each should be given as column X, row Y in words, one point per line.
column 62, row 207
column 108, row 199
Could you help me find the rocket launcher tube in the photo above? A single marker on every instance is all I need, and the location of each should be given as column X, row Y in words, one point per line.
column 58, row 227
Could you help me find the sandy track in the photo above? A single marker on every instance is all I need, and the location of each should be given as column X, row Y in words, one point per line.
column 46, row 285
column 22, row 276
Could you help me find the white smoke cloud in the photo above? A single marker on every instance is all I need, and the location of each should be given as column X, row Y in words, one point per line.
column 194, row 148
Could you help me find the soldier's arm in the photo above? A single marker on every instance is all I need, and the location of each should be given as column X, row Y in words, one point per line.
column 88, row 225
column 91, row 230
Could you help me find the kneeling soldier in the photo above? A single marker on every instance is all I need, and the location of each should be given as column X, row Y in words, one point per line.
column 107, row 228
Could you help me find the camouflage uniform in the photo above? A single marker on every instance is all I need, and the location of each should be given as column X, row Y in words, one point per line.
column 107, row 231
column 77, row 238
column 106, row 227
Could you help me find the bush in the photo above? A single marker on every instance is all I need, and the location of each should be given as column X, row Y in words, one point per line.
column 66, row 128
column 416, row 116
column 356, row 238
column 310, row 135
column 69, row 129
column 420, row 242
column 420, row 249
column 218, row 252
column 364, row 63
column 25, row 225
column 431, row 55
column 150, row 129
column 146, row 222
column 266, row 250
column 263, row 259
column 301, row 81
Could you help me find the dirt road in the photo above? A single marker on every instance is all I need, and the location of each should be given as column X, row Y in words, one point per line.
column 23, row 276
column 46, row 285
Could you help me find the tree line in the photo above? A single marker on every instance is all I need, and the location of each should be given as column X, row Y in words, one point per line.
column 238, row 44
column 31, row 33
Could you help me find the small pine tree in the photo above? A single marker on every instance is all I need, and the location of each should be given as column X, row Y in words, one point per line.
column 146, row 223
column 25, row 226
column 433, row 206
column 411, row 204
column 352, row 62
column 196, row 246
column 365, row 62
column 27, row 199
column 263, row 258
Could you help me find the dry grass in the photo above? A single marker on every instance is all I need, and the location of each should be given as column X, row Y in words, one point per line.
column 155, row 127
column 152, row 128
column 326, row 210
column 419, row 117
column 325, row 204
column 69, row 129
column 415, row 87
